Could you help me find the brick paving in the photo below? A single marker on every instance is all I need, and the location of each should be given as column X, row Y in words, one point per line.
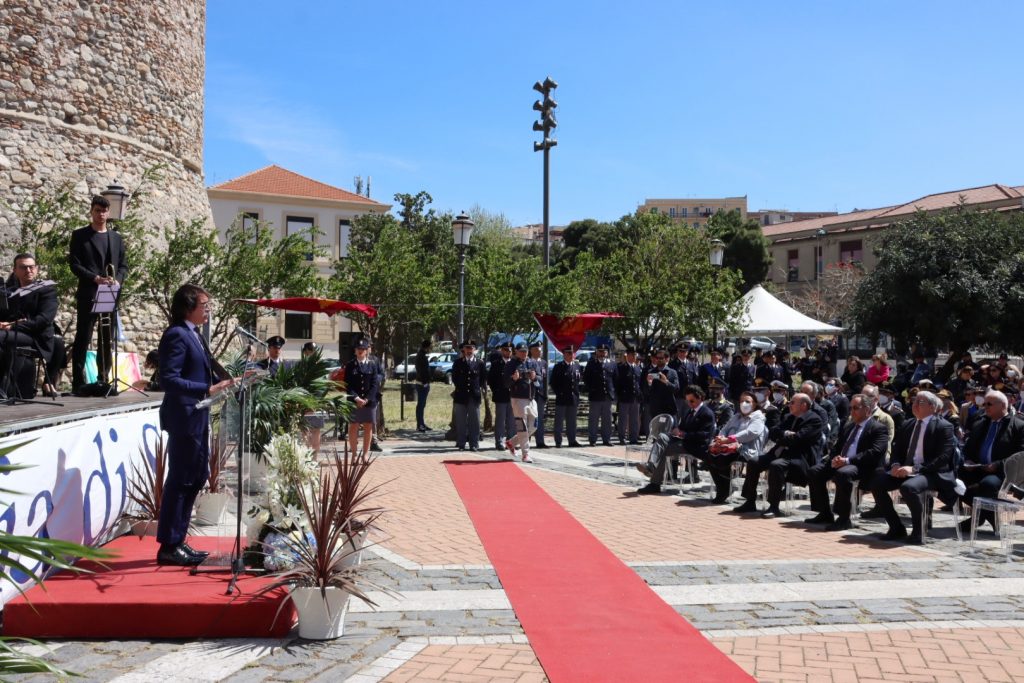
column 429, row 545
column 471, row 664
column 900, row 655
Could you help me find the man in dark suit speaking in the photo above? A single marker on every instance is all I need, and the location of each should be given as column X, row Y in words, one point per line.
column 96, row 257
column 187, row 375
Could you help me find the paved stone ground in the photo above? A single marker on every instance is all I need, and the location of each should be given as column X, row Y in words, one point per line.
column 753, row 586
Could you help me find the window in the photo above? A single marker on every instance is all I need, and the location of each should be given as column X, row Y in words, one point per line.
column 298, row 325
column 344, row 234
column 295, row 225
column 851, row 251
column 672, row 211
column 654, row 209
column 685, row 210
column 792, row 265
column 250, row 224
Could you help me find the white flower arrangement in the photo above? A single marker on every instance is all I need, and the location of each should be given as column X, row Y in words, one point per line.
column 290, row 465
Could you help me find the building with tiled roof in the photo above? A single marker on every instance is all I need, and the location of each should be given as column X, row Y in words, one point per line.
column 287, row 202
column 801, row 249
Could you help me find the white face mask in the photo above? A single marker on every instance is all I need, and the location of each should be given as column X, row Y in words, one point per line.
column 884, row 400
column 746, row 407
column 979, row 401
column 1011, row 373
column 830, row 389
column 760, row 396
column 778, row 396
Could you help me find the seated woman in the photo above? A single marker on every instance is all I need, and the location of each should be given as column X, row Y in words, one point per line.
column 742, row 438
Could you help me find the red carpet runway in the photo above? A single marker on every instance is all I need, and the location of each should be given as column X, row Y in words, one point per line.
column 134, row 598
column 587, row 615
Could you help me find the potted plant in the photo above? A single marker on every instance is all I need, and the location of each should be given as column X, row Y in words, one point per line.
column 214, row 498
column 146, row 490
column 324, row 575
column 354, row 509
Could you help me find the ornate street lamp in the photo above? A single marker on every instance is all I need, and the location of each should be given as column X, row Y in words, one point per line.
column 462, row 229
column 118, row 198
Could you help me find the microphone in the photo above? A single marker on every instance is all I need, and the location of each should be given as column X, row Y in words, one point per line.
column 249, row 335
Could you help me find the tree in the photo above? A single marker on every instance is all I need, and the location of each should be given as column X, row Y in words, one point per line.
column 585, row 236
column 953, row 279
column 746, row 247
column 832, row 297
column 662, row 281
column 250, row 264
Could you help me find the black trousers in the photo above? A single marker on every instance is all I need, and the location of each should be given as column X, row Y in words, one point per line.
column 845, row 478
column 913, row 490
column 780, row 471
column 84, row 326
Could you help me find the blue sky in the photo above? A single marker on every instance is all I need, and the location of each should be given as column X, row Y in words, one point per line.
column 799, row 105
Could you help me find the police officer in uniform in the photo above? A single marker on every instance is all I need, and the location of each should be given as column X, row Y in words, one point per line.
column 565, row 382
column 468, row 380
column 628, row 389
column 599, row 377
column 504, row 427
column 722, row 408
column 540, row 390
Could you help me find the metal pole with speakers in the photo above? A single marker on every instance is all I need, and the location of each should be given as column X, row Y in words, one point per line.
column 546, row 124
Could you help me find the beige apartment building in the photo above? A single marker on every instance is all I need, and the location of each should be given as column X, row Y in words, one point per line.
column 694, row 212
column 290, row 202
column 802, row 249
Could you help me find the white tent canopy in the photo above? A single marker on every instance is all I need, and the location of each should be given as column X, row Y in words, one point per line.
column 768, row 316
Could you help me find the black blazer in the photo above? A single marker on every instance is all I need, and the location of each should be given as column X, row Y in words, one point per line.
column 565, row 382
column 87, row 262
column 803, row 443
column 468, row 379
column 939, row 446
column 496, row 379
column 661, row 395
column 698, row 427
column 871, row 447
column 599, row 378
column 35, row 312
column 627, row 382
column 1009, row 439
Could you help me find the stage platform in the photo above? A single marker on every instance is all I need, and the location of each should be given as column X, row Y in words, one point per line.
column 131, row 597
column 27, row 416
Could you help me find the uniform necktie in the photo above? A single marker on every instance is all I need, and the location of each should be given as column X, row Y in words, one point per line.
column 913, row 442
column 990, row 439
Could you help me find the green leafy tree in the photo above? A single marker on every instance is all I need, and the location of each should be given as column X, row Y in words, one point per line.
column 746, row 247
column 949, row 280
column 661, row 280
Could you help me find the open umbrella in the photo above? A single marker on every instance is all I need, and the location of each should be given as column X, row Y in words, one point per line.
column 309, row 304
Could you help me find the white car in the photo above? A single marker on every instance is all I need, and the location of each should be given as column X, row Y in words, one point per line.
column 399, row 371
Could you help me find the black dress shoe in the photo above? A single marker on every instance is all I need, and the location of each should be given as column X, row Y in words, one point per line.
column 606, row 443
column 771, row 513
column 575, row 444
column 820, row 518
column 176, row 556
column 634, row 443
column 720, row 499
column 839, row 525
column 474, row 448
column 542, row 445
column 649, row 490
column 748, row 506
column 915, row 539
column 201, row 554
column 896, row 534
column 375, row 447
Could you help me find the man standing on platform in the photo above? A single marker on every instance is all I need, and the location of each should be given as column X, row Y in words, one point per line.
column 187, row 375
column 96, row 257
column 468, row 379
column 565, row 381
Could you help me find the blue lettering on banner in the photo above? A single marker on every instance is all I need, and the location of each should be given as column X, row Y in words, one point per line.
column 39, row 569
column 87, row 533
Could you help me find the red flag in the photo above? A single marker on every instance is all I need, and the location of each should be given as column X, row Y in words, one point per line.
column 308, row 304
column 570, row 330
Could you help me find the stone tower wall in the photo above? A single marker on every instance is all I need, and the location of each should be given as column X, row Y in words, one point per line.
column 97, row 90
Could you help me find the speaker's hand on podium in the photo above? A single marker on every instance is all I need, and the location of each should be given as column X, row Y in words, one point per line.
column 222, row 386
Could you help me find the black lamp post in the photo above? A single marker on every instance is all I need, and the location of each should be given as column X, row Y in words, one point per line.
column 118, row 198
column 716, row 256
column 462, row 229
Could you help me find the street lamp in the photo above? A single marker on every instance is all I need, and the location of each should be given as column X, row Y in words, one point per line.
column 462, row 229
column 716, row 256
column 118, row 198
column 819, row 268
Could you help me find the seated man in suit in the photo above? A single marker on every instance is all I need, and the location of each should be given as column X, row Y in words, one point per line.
column 993, row 439
column 28, row 318
column 922, row 459
column 857, row 456
column 797, row 446
column 695, row 428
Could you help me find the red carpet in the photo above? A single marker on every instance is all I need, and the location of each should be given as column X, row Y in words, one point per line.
column 587, row 615
column 134, row 598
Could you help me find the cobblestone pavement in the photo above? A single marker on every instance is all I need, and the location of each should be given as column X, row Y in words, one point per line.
column 785, row 601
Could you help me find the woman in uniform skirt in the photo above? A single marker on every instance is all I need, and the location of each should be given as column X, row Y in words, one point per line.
column 362, row 378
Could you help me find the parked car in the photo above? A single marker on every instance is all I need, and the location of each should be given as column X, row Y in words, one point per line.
column 441, row 366
column 761, row 343
column 399, row 371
